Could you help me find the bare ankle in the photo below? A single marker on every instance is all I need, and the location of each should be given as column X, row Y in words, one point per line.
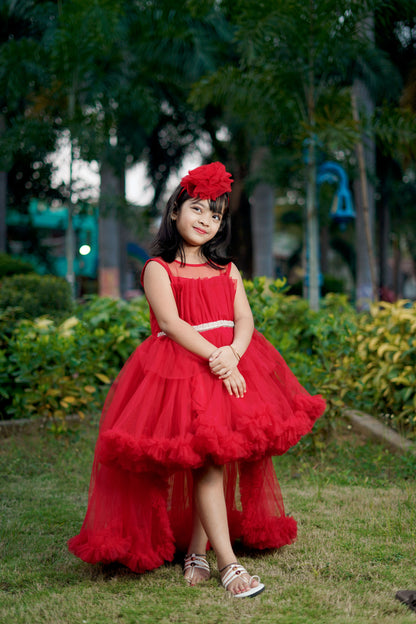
column 225, row 559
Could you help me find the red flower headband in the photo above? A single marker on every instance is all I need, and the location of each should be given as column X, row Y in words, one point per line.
column 207, row 181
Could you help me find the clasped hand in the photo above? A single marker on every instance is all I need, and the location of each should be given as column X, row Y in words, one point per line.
column 223, row 363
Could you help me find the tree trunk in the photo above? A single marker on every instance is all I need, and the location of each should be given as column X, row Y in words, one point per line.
column 397, row 260
column 126, row 277
column 3, row 199
column 366, row 284
column 312, row 233
column 3, row 211
column 262, row 203
column 112, row 188
column 241, row 242
column 70, row 241
column 385, row 281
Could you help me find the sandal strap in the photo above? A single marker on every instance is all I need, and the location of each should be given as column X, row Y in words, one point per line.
column 196, row 561
column 228, row 565
column 235, row 570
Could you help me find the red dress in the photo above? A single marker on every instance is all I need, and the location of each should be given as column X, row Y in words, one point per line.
column 166, row 414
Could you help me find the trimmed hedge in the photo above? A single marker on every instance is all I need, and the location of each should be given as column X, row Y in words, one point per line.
column 51, row 369
column 34, row 295
column 386, row 346
column 13, row 266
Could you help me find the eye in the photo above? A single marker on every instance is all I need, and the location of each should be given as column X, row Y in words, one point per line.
column 217, row 217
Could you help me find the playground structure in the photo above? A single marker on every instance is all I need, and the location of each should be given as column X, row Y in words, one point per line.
column 342, row 212
column 51, row 226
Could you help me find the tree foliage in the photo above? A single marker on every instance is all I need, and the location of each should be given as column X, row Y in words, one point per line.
column 118, row 75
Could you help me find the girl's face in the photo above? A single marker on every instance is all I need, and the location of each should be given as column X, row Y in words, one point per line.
column 196, row 223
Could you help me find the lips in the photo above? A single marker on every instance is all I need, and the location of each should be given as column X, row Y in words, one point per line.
column 199, row 230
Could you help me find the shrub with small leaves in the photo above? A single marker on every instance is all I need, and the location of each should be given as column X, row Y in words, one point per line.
column 13, row 266
column 35, row 295
column 52, row 370
column 314, row 344
column 386, row 345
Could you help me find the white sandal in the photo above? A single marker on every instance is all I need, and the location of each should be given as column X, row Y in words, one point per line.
column 234, row 572
column 193, row 561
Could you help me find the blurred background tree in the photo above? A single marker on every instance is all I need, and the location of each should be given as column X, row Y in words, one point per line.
column 25, row 142
column 264, row 87
column 292, row 87
column 396, row 150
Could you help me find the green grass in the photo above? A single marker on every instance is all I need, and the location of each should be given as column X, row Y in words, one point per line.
column 354, row 501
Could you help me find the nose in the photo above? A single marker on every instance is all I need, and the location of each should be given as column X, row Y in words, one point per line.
column 203, row 219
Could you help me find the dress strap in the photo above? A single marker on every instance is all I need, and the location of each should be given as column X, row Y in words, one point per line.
column 164, row 264
column 228, row 269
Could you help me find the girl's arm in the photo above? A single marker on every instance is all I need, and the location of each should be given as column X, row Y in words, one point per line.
column 159, row 294
column 224, row 359
column 243, row 317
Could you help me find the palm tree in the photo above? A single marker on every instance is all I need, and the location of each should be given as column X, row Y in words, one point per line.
column 23, row 25
column 128, row 68
column 295, row 58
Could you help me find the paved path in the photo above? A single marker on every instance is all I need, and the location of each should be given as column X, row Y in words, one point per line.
column 372, row 427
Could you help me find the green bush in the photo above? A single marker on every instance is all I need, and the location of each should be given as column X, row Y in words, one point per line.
column 386, row 346
column 285, row 320
column 314, row 344
column 51, row 370
column 45, row 372
column 35, row 295
column 13, row 266
column 114, row 328
column 367, row 360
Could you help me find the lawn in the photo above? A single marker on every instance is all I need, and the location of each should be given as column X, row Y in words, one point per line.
column 355, row 506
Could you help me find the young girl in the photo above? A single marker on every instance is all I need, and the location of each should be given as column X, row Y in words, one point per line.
column 189, row 428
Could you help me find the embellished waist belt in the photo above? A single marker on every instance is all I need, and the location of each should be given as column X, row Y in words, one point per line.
column 205, row 326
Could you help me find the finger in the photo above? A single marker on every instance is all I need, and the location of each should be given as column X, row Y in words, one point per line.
column 242, row 386
column 217, row 363
column 226, row 375
column 228, row 387
column 214, row 361
column 217, row 366
column 214, row 356
column 240, row 391
column 234, row 387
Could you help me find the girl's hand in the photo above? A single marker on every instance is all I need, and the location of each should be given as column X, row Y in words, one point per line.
column 222, row 361
column 235, row 384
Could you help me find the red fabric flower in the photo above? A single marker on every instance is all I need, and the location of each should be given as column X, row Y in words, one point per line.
column 207, row 181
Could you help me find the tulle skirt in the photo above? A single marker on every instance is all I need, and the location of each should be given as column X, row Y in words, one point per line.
column 166, row 415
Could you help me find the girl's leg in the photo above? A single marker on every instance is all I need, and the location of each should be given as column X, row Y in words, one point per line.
column 197, row 545
column 199, row 539
column 210, row 505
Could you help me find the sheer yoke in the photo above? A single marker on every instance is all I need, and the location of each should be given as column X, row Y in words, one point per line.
column 167, row 414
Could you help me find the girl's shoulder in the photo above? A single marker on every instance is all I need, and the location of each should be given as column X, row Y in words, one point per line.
column 177, row 269
column 232, row 268
column 234, row 271
column 156, row 260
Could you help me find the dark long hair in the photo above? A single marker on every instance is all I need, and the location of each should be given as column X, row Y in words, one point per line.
column 168, row 242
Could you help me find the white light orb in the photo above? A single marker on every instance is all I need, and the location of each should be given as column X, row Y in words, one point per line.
column 84, row 250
